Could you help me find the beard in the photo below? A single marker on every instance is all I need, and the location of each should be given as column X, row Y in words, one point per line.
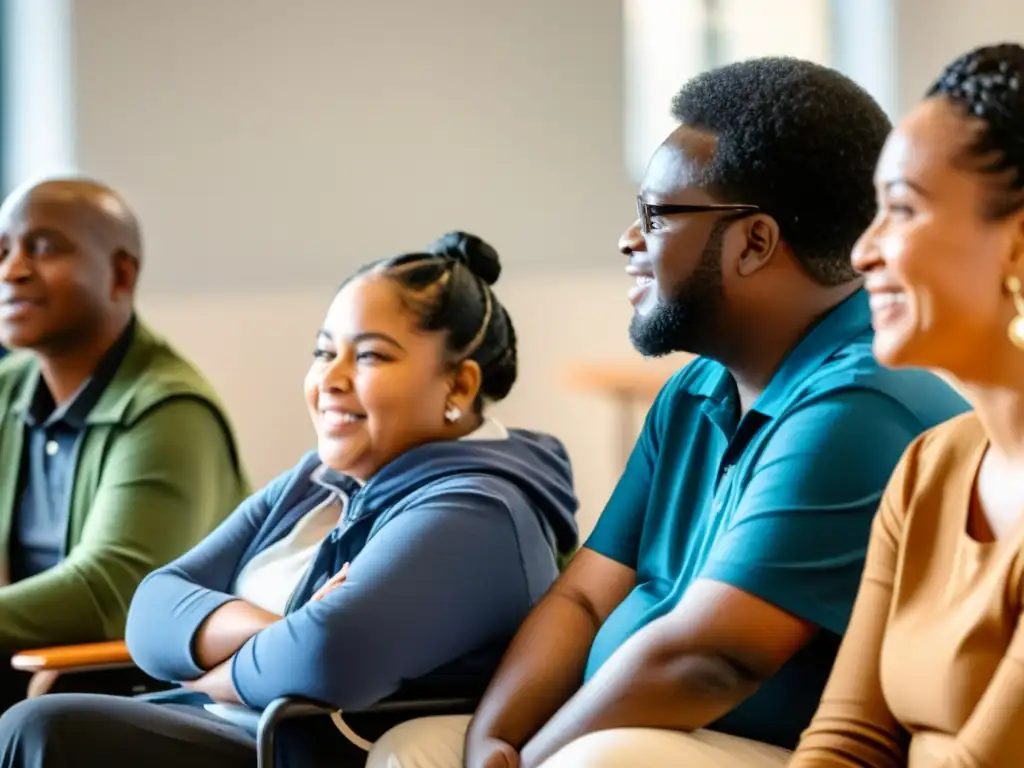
column 680, row 323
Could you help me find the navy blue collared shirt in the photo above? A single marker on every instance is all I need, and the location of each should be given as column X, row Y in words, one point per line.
column 52, row 438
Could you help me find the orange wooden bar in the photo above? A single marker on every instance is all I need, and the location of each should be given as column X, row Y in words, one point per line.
column 87, row 655
column 628, row 385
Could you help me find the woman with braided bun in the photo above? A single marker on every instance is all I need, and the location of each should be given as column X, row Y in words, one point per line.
column 931, row 670
column 398, row 557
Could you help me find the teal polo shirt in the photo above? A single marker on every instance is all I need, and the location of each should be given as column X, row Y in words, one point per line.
column 778, row 503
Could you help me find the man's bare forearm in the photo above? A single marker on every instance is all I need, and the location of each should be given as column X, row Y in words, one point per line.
column 543, row 667
column 643, row 685
column 226, row 630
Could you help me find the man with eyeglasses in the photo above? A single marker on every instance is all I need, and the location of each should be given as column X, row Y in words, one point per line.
column 698, row 624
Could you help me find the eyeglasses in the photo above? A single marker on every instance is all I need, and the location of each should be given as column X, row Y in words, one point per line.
column 648, row 211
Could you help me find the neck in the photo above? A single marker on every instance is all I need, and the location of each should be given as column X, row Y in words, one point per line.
column 998, row 399
column 760, row 347
column 66, row 367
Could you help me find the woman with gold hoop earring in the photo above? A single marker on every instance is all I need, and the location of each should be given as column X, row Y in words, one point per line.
column 931, row 670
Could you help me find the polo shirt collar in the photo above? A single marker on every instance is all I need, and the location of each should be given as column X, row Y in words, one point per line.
column 843, row 323
column 39, row 409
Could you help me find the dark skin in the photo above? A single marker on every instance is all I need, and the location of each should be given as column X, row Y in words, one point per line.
column 933, row 245
column 716, row 647
column 70, row 252
column 754, row 329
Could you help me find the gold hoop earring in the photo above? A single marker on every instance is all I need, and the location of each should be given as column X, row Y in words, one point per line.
column 1016, row 329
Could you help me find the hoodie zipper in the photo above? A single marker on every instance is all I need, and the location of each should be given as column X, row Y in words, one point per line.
column 344, row 523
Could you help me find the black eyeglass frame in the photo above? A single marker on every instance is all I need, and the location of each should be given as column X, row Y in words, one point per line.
column 646, row 211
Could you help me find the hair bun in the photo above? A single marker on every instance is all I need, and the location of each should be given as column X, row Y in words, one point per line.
column 479, row 257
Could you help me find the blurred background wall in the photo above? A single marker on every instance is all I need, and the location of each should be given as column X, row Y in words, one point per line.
column 271, row 147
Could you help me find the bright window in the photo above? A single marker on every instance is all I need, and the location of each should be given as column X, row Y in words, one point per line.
column 669, row 41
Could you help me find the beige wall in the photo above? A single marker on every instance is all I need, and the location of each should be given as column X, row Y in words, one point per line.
column 271, row 147
column 274, row 144
column 930, row 33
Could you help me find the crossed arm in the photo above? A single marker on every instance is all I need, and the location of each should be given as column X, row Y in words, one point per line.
column 183, row 624
column 407, row 606
column 226, row 630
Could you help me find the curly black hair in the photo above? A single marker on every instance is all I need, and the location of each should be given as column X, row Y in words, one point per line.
column 800, row 141
column 988, row 84
column 448, row 288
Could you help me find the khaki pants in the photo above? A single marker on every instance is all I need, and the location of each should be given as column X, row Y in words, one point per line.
column 436, row 742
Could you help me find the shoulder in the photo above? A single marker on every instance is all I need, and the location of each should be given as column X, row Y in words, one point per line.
column 158, row 372
column 541, row 441
column 298, row 481
column 846, row 437
column 295, row 487
column 485, row 498
column 940, row 456
column 951, row 436
column 153, row 375
column 932, row 479
column 475, row 489
column 853, row 373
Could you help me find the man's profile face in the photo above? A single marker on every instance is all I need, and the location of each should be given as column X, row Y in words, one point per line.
column 678, row 263
column 55, row 281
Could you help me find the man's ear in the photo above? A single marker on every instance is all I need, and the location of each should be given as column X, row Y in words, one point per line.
column 126, row 272
column 762, row 233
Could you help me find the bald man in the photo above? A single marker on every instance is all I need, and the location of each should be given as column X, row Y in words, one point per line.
column 115, row 456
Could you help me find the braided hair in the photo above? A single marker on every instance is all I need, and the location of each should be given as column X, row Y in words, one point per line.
column 448, row 288
column 988, row 85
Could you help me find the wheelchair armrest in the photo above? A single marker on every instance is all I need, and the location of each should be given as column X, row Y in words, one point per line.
column 290, row 708
column 279, row 710
column 293, row 707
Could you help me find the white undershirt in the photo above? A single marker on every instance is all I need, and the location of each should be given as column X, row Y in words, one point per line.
column 268, row 580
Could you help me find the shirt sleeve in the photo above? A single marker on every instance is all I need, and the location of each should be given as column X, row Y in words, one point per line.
column 437, row 582
column 853, row 726
column 166, row 481
column 799, row 534
column 618, row 530
column 173, row 602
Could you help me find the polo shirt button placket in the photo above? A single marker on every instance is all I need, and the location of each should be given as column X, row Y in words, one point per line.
column 722, row 488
